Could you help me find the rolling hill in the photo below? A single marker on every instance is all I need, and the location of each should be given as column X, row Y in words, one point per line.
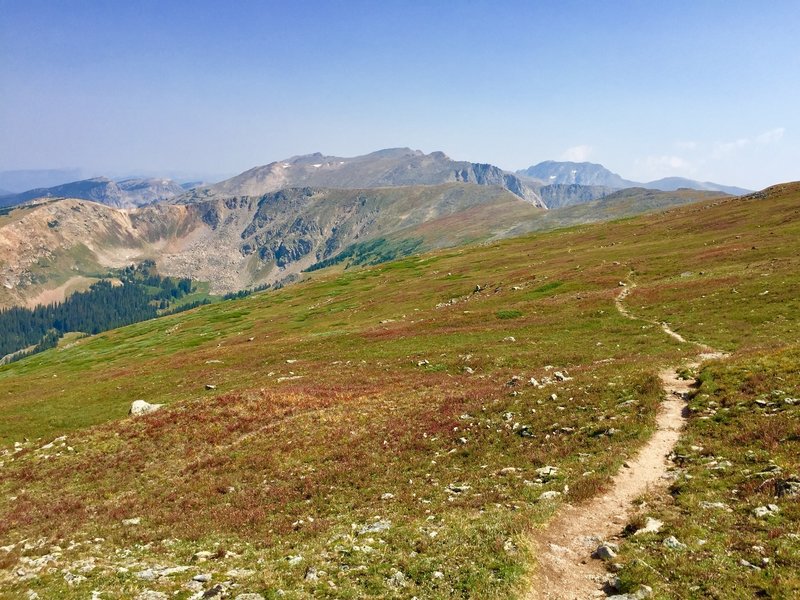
column 406, row 429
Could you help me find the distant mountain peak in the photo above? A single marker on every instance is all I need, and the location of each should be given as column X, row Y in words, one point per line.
column 390, row 167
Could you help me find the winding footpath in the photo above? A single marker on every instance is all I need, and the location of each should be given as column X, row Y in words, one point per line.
column 564, row 547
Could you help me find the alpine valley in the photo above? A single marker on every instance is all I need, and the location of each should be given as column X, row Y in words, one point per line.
column 400, row 376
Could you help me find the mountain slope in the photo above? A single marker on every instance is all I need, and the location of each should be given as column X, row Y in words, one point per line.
column 127, row 193
column 375, row 433
column 385, row 168
column 568, row 173
column 235, row 242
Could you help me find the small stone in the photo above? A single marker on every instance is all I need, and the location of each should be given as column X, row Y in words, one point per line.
column 651, row 525
column 132, row 522
column 673, row 544
column 249, row 596
column 202, row 577
column 549, row 495
column 509, row 338
column 215, row 592
column 606, row 551
column 202, row 556
column 749, row 565
column 211, row 386
column 713, row 505
column 397, row 580
column 376, row 527
column 311, row 575
column 766, row 511
column 141, row 407
column 294, row 560
column 547, row 472
column 438, row 575
column 151, row 595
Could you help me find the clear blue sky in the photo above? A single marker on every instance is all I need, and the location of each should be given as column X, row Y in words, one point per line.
column 709, row 90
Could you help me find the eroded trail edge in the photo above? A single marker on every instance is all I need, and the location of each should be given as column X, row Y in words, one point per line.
column 563, row 549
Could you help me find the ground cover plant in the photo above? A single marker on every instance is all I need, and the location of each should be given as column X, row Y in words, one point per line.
column 734, row 507
column 392, row 431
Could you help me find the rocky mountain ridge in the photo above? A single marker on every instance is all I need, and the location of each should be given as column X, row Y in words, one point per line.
column 393, row 167
column 241, row 241
column 127, row 193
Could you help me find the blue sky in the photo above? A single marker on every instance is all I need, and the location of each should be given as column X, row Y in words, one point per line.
column 708, row 90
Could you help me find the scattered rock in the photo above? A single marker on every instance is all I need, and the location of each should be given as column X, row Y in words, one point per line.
column 673, row 544
column 438, row 575
column 468, row 370
column 397, row 580
column 249, row 596
column 211, row 386
column 240, row 573
column 643, row 592
column 766, row 511
column 509, row 338
column 455, row 488
column 606, row 551
column 202, row 556
column 423, row 363
column 132, row 522
column 141, row 407
column 215, row 592
column 294, row 560
column 713, row 505
column 151, row 595
column 651, row 525
column 202, row 577
column 547, row 473
column 376, row 527
column 749, row 565
column 550, row 495
column 73, row 579
column 311, row 575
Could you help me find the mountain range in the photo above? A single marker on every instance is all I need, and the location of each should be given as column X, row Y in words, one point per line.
column 127, row 193
column 269, row 224
column 592, row 174
column 549, row 184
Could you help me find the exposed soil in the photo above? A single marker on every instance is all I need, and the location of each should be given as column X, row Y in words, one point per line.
column 563, row 549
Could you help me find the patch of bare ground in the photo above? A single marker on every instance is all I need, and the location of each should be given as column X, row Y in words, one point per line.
column 563, row 549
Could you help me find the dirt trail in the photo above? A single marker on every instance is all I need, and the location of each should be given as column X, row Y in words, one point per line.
column 564, row 547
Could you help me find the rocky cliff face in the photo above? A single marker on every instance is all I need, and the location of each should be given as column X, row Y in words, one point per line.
column 561, row 195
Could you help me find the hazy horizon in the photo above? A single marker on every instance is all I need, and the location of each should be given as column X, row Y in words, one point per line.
column 697, row 90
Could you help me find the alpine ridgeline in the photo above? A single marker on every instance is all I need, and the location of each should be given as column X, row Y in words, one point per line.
column 552, row 172
column 127, row 193
column 394, row 167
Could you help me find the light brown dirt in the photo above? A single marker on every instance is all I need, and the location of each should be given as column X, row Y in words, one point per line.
column 563, row 548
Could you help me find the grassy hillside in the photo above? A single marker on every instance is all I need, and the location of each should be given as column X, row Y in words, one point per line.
column 375, row 432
